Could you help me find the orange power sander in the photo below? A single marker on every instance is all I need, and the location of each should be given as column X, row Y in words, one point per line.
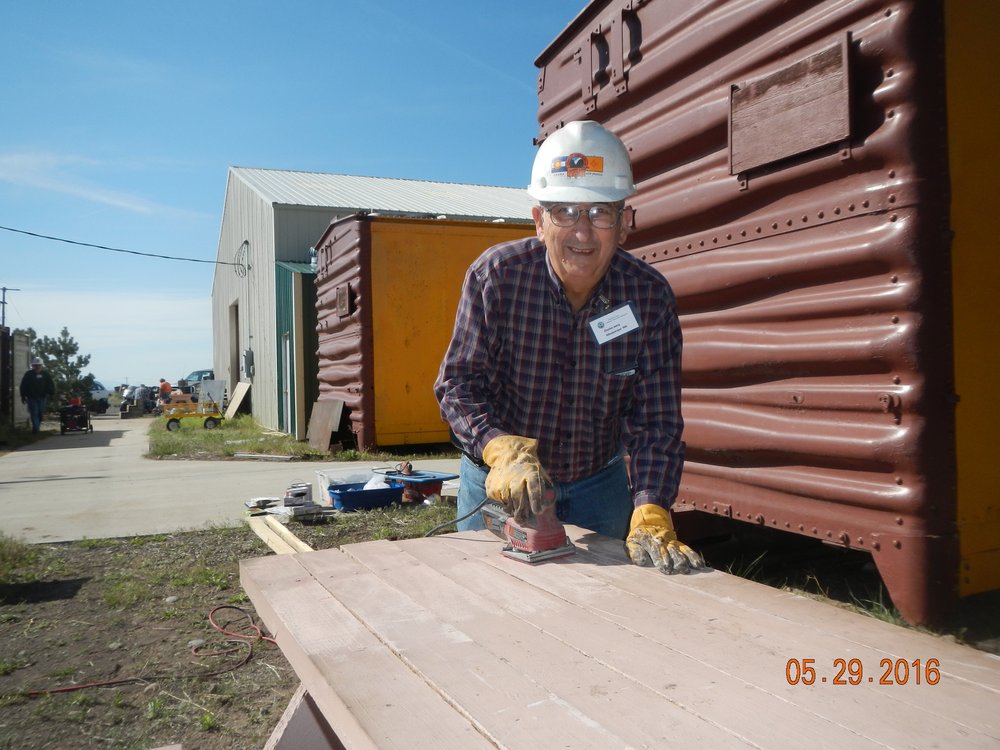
column 540, row 537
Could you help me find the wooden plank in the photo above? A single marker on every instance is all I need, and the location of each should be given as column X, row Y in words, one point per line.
column 653, row 662
column 824, row 620
column 296, row 544
column 367, row 695
column 264, row 530
column 239, row 393
column 524, row 688
column 754, row 643
column 591, row 651
column 323, row 422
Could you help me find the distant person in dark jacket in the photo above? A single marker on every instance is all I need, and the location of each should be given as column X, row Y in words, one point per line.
column 36, row 387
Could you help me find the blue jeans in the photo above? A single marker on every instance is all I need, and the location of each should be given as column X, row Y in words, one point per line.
column 601, row 502
column 36, row 408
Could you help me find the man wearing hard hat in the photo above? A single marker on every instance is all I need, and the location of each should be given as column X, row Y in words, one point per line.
column 36, row 387
column 566, row 356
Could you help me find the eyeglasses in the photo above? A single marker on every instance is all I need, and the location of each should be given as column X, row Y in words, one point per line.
column 601, row 215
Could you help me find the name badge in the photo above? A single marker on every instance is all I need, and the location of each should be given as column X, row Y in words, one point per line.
column 614, row 323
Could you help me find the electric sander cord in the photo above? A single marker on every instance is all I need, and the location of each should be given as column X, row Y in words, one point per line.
column 453, row 521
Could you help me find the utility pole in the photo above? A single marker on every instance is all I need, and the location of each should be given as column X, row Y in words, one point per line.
column 3, row 305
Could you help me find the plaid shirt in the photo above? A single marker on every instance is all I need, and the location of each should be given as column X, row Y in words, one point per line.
column 520, row 362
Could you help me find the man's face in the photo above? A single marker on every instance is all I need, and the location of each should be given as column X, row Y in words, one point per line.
column 580, row 254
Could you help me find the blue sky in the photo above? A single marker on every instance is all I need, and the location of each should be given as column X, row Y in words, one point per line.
column 118, row 121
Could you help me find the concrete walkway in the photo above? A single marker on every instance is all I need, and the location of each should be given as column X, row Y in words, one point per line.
column 98, row 485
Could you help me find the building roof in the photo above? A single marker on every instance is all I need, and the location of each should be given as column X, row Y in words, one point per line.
column 392, row 196
column 294, row 267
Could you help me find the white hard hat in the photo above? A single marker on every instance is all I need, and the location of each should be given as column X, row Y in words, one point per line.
column 36, row 361
column 582, row 162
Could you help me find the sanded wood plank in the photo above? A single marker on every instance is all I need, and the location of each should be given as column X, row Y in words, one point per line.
column 959, row 661
column 799, row 623
column 753, row 647
column 524, row 688
column 698, row 686
column 367, row 695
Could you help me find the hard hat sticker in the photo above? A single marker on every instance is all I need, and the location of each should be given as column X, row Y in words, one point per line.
column 578, row 165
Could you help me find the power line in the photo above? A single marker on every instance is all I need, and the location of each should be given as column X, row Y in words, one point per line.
column 118, row 249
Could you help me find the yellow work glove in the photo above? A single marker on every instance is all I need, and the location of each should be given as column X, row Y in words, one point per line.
column 516, row 476
column 652, row 541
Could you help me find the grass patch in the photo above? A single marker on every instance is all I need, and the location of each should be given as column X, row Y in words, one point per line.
column 15, row 557
column 242, row 434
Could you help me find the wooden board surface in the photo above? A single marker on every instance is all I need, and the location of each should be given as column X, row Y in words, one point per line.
column 323, row 422
column 444, row 642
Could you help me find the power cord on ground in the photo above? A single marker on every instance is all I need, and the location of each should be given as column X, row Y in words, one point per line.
column 256, row 636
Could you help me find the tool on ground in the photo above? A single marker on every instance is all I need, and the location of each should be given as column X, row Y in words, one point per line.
column 540, row 537
column 299, row 493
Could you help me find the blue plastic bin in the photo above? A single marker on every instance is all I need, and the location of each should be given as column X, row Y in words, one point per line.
column 356, row 497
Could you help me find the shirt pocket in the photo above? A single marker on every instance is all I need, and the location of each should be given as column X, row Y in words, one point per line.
column 618, row 378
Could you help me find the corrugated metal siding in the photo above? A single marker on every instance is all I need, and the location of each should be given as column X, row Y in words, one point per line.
column 247, row 236
column 352, row 194
column 344, row 330
column 813, row 291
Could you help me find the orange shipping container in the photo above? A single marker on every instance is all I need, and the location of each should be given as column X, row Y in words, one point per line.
column 387, row 291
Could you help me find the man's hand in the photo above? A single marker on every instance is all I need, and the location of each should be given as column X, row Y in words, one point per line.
column 652, row 541
column 516, row 476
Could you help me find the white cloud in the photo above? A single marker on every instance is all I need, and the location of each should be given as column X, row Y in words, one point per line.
column 55, row 173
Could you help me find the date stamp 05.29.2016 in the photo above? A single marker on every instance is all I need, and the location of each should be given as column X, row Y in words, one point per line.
column 852, row 672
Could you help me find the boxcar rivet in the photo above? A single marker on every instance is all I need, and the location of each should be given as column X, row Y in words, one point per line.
column 899, row 520
column 897, row 544
column 894, row 279
column 895, row 318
